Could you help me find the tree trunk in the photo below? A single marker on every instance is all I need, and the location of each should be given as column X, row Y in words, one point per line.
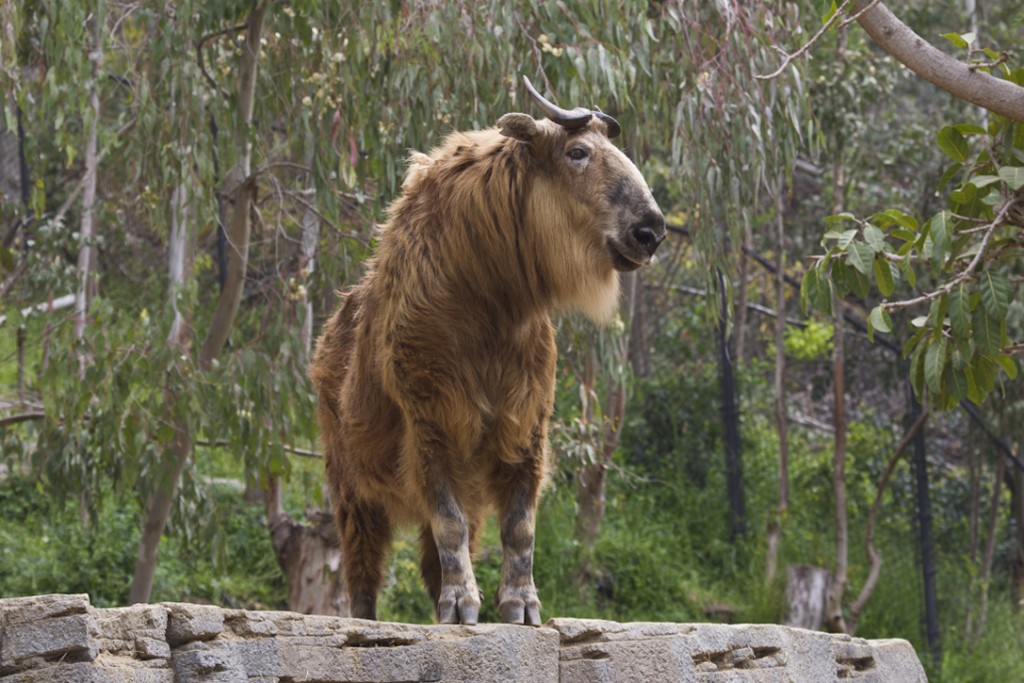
column 181, row 262
column 774, row 532
column 742, row 295
column 180, row 268
column 807, row 590
column 874, row 555
column 1016, row 482
column 730, row 420
column 308, row 554
column 990, row 550
column 973, row 517
column 310, row 558
column 924, row 528
column 592, row 477
column 639, row 350
column 590, row 492
column 87, row 231
column 158, row 507
column 836, row 621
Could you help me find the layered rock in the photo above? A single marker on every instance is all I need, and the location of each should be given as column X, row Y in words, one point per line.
column 63, row 639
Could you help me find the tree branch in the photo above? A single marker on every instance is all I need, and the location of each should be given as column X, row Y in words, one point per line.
column 790, row 58
column 936, row 67
column 966, row 274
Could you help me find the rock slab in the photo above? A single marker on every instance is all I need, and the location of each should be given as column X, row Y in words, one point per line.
column 63, row 639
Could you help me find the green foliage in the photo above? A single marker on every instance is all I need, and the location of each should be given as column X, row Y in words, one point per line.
column 811, row 342
column 45, row 549
column 997, row 658
column 961, row 260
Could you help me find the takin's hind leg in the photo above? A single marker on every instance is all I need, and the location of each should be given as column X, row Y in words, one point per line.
column 430, row 565
column 365, row 531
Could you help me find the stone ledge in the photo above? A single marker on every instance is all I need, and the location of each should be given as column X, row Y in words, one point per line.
column 62, row 638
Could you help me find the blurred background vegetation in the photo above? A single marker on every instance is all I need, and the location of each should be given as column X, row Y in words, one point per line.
column 186, row 186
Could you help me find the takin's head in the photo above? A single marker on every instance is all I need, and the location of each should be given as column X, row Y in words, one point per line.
column 596, row 212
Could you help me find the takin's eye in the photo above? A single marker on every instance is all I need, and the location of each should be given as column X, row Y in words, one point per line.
column 578, row 153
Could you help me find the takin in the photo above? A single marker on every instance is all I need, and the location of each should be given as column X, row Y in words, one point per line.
column 436, row 376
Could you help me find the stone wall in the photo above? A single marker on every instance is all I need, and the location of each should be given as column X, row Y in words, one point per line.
column 63, row 639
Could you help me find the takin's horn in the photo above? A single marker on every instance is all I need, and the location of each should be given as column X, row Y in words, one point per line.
column 571, row 119
column 613, row 125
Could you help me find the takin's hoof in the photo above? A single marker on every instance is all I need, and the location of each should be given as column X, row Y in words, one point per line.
column 519, row 612
column 459, row 607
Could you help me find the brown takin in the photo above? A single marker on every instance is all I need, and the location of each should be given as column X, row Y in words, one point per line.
column 436, row 375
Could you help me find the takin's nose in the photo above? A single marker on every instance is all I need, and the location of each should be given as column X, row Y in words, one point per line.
column 649, row 232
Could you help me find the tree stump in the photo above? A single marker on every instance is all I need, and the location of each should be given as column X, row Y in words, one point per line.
column 807, row 595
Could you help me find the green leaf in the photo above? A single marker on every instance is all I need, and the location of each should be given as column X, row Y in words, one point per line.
column 952, row 171
column 890, row 216
column 980, row 181
column 908, row 272
column 953, row 144
column 917, row 369
column 964, row 194
column 874, row 238
column 860, row 257
column 859, row 283
column 996, row 293
column 970, row 129
column 973, row 391
column 841, row 276
column 844, row 216
column 1012, row 176
column 843, row 238
column 988, row 333
column 956, row 382
column 883, row 277
column 815, row 292
column 879, row 320
column 985, row 375
column 913, row 341
column 957, row 40
column 1007, row 363
column 826, row 9
column 934, row 364
column 941, row 227
column 937, row 314
column 903, row 235
column 960, row 310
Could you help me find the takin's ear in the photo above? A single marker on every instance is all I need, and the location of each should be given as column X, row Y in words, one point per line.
column 518, row 126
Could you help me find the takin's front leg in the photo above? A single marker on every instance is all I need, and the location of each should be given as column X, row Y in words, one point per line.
column 517, row 514
column 458, row 600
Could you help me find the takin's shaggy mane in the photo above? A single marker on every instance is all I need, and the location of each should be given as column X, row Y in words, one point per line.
column 436, row 375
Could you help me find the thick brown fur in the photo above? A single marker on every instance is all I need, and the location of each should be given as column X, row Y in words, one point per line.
column 436, row 375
